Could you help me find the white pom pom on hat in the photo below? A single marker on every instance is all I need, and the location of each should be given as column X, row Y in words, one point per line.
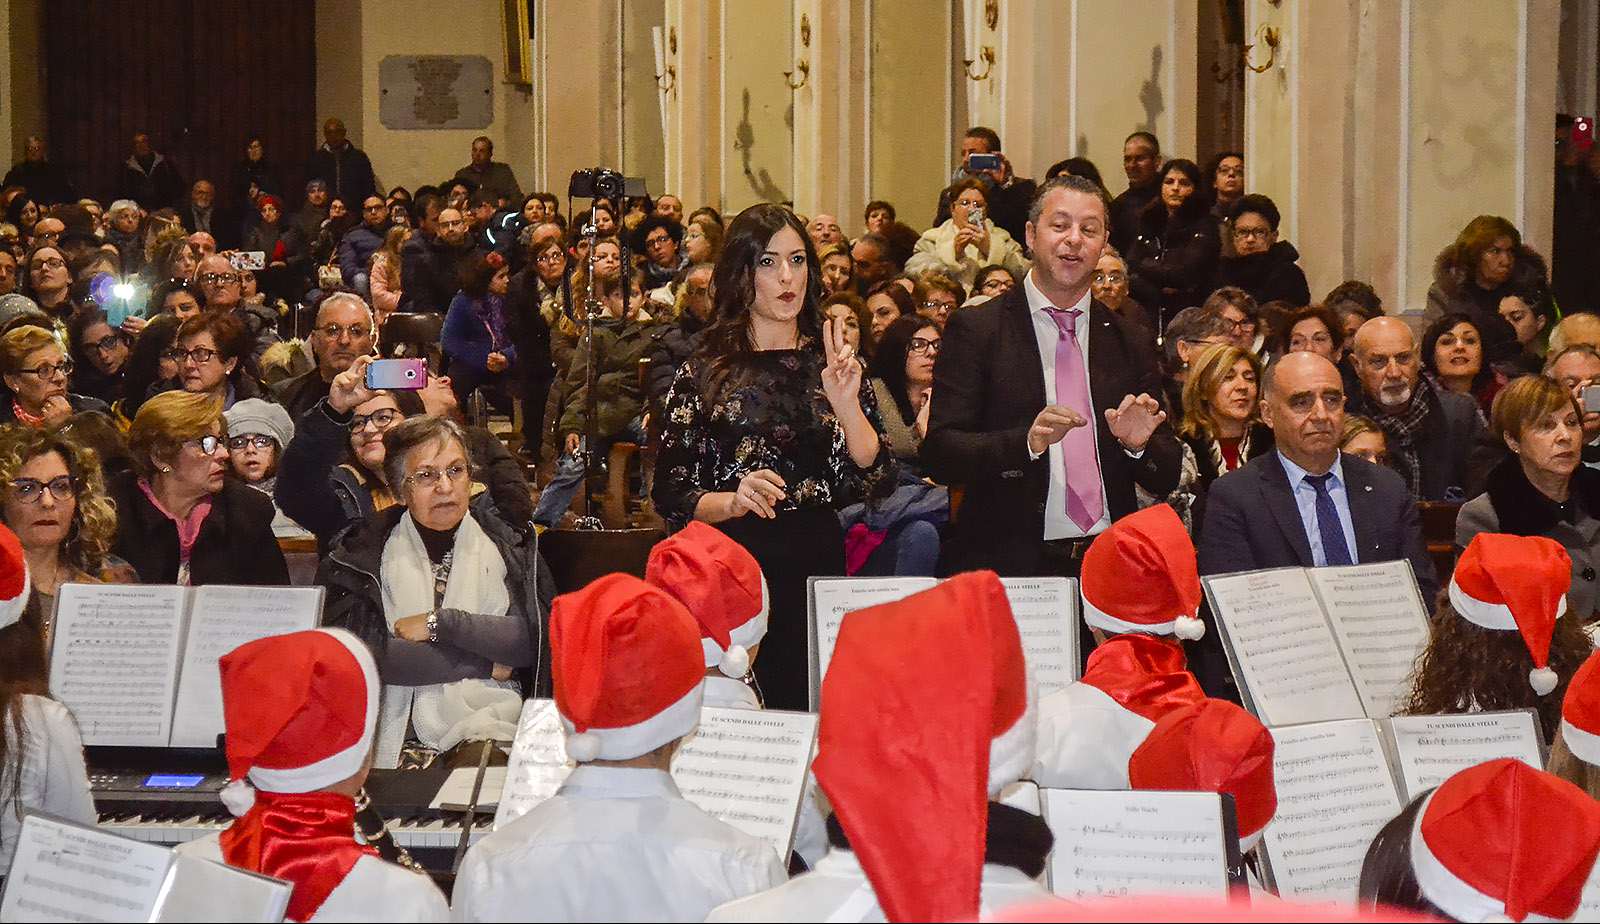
column 1543, row 680
column 1140, row 575
column 735, row 661
column 583, row 747
column 1189, row 628
column 1516, row 584
column 238, row 797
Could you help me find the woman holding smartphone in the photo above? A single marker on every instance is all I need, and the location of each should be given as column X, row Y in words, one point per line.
column 769, row 428
column 968, row 241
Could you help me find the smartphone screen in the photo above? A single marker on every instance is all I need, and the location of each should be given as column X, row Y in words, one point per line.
column 401, row 374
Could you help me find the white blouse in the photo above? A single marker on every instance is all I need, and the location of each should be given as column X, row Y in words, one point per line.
column 53, row 779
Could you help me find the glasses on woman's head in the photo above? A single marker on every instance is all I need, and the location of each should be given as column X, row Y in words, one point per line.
column 258, row 440
column 49, row 370
column 922, row 345
column 31, row 490
column 426, row 478
column 199, row 355
column 207, row 444
column 381, row 419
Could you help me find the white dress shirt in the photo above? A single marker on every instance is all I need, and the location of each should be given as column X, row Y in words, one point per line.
column 53, row 776
column 1086, row 739
column 613, row 844
column 373, row 890
column 1305, row 498
column 1057, row 525
column 838, row 890
column 729, row 693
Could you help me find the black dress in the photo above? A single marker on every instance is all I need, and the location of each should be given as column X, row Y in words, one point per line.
column 771, row 413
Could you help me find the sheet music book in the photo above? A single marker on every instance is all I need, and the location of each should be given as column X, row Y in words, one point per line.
column 746, row 767
column 1119, row 843
column 1320, row 644
column 137, row 664
column 1428, row 749
column 1046, row 610
column 64, row 871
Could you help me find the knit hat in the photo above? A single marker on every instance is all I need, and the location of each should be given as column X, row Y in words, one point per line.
column 300, row 709
column 625, row 660
column 1580, row 712
column 722, row 586
column 1089, row 730
column 926, row 714
column 253, row 415
column 1503, row 841
column 1515, row 583
column 1212, row 746
column 15, row 584
column 1140, row 576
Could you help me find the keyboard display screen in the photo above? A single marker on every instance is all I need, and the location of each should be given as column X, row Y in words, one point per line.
column 173, row 781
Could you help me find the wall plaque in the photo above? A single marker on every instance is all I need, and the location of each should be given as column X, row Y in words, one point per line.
column 435, row 91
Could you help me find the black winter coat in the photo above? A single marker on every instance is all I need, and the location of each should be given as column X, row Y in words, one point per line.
column 235, row 546
column 1268, row 277
column 1173, row 261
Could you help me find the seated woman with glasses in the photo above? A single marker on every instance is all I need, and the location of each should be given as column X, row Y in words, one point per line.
column 180, row 520
column 258, row 431
column 56, row 503
column 212, row 351
column 99, row 354
column 1110, row 285
column 450, row 598
column 36, row 372
column 967, row 241
column 149, row 370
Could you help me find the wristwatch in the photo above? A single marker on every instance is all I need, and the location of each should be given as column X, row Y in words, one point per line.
column 433, row 627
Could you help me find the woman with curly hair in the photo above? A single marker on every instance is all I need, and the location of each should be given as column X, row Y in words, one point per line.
column 56, row 503
column 1487, row 262
column 1501, row 636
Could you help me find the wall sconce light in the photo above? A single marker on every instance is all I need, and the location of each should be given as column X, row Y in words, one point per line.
column 1268, row 36
column 666, row 74
column 803, row 65
column 976, row 50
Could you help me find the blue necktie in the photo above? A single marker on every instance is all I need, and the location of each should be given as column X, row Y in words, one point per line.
column 1334, row 549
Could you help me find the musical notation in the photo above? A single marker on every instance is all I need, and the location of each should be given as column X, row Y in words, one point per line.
column 115, row 659
column 68, row 872
column 1334, row 792
column 834, row 599
column 1122, row 843
column 1430, row 748
column 1381, row 625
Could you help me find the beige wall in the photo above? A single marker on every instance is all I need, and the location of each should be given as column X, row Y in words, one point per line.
column 910, row 119
column 643, row 141
column 757, row 107
column 22, row 77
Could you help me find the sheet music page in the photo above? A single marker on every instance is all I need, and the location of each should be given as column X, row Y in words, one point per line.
column 202, row 890
column 1284, row 647
column 68, row 872
column 115, row 659
column 1378, row 618
column 1334, row 792
column 1133, row 843
column 457, row 788
column 833, row 598
column 1429, row 748
column 1589, row 905
column 1046, row 610
column 222, row 618
column 538, row 762
column 748, row 767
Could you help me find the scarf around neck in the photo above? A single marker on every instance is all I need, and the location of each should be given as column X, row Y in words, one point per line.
column 1403, row 431
column 307, row 839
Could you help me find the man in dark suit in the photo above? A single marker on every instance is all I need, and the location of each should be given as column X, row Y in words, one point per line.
column 1044, row 412
column 1307, row 504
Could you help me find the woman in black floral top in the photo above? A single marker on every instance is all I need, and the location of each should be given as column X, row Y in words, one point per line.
column 769, row 428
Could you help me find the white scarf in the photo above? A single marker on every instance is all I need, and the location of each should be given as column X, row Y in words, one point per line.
column 444, row 713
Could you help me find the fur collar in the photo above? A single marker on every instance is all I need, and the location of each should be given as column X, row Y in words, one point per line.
column 1523, row 511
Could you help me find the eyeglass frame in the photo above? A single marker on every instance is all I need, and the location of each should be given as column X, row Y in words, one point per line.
column 356, row 331
column 65, row 367
column 199, row 442
column 359, row 421
column 221, row 279
column 181, row 356
column 20, row 487
column 428, row 478
column 933, row 345
column 258, row 440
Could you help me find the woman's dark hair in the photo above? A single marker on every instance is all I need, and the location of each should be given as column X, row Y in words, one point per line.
column 399, row 192
column 477, row 271
column 1361, row 295
column 727, row 341
column 1466, row 668
column 1286, row 324
column 1198, row 202
column 23, row 670
column 708, row 212
column 1388, row 879
column 858, row 307
column 889, row 361
column 897, row 293
column 143, row 368
column 14, row 212
column 984, row 274
column 1436, row 330
column 1075, row 166
column 82, row 320
column 1215, row 164
column 877, row 205
column 650, row 223
column 156, row 306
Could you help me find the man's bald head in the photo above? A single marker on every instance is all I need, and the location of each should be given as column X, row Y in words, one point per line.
column 1387, row 362
column 1293, row 368
column 1385, row 333
column 1303, row 402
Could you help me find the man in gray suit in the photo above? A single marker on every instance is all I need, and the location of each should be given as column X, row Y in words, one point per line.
column 1307, row 504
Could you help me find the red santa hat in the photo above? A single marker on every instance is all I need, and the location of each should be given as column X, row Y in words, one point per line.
column 1140, row 576
column 300, row 709
column 626, row 665
column 721, row 585
column 1129, row 683
column 15, row 584
column 1580, row 712
column 909, row 758
column 1515, row 584
column 1503, row 841
column 1212, row 746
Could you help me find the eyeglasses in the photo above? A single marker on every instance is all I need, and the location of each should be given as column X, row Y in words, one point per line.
column 381, row 419
column 208, row 444
column 31, row 490
column 50, row 263
column 258, row 440
column 199, row 355
column 335, row 332
column 426, row 478
column 107, row 343
column 921, row 345
column 657, row 239
column 1259, row 234
column 49, row 370
column 553, row 257
column 931, row 305
column 1112, row 278
column 219, row 279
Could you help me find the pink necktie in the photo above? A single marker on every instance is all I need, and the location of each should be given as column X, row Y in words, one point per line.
column 1084, row 500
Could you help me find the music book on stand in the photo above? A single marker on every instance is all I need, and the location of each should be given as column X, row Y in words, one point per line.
column 137, row 663
column 1119, row 843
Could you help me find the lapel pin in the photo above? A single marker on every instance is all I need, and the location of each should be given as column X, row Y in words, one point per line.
column 1369, row 488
